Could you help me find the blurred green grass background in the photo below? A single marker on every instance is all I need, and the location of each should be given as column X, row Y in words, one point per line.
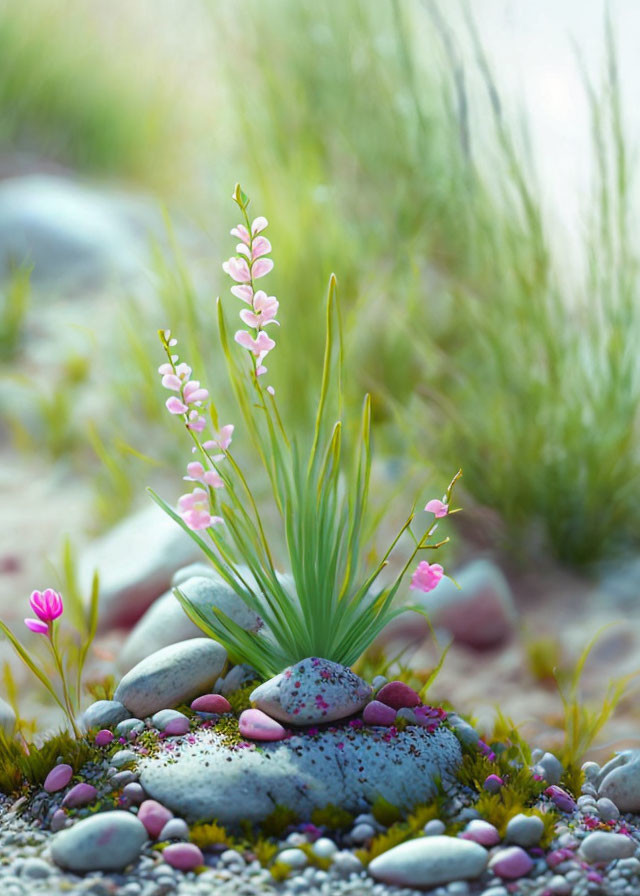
column 380, row 150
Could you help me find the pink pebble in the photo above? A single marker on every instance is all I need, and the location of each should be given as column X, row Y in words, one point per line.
column 377, row 713
column 511, row 863
column 482, row 832
column 80, row 795
column 398, row 695
column 58, row 820
column 176, row 726
column 211, row 703
column 154, row 816
column 183, row 856
column 103, row 737
column 257, row 725
column 58, row 778
column 563, row 800
column 493, row 783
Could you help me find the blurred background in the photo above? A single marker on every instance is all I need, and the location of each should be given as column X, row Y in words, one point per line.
column 466, row 169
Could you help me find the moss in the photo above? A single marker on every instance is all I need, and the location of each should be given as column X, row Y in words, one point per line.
column 332, row 817
column 207, row 834
column 265, row 850
column 385, row 812
column 275, row 824
column 19, row 769
column 239, row 700
column 227, row 728
column 280, row 871
column 400, row 831
column 316, row 861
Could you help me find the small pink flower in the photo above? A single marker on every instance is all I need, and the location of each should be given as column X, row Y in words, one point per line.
column 244, row 292
column 223, row 438
column 194, row 509
column 36, row 626
column 264, row 311
column 195, row 471
column 175, row 406
column 241, row 233
column 171, row 381
column 426, row 576
column 259, row 346
column 193, row 393
column 261, row 246
column 437, row 508
column 261, row 268
column 47, row 604
column 196, row 421
column 258, row 225
column 213, row 479
column 237, row 269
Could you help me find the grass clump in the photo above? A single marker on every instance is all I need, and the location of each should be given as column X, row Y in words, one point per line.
column 275, row 824
column 239, row 699
column 334, row 818
column 20, row 769
column 400, row 831
column 208, row 834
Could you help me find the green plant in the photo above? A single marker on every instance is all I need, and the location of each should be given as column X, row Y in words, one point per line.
column 14, row 303
column 22, row 765
column 322, row 500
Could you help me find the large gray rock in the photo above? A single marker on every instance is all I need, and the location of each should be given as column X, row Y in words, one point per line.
column 108, row 841
column 171, row 676
column 136, row 561
column 430, row 861
column 104, row 714
column 7, row 718
column 165, row 622
column 312, row 692
column 604, row 846
column 213, row 779
column 71, row 234
column 619, row 781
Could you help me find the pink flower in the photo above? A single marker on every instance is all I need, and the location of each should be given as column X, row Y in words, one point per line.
column 259, row 224
column 47, row 604
column 261, row 267
column 426, row 576
column 223, row 438
column 241, row 233
column 264, row 311
column 175, row 406
column 244, row 292
column 237, row 269
column 437, row 508
column 261, row 246
column 197, row 473
column 171, row 381
column 196, row 421
column 193, row 393
column 194, row 509
column 36, row 626
column 259, row 346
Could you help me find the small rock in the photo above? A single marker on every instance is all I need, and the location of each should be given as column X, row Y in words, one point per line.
column 7, row 718
column 434, row 828
column 235, row 679
column 256, row 725
column 591, row 770
column 122, row 757
column 170, row 721
column 108, row 841
column 346, row 862
column 429, row 861
column 324, row 848
column 103, row 738
column 607, row 810
column 104, row 714
column 602, row 846
column 482, row 832
column 58, row 821
column 493, row 783
column 619, row 781
column 133, row 793
column 294, row 858
column 562, row 800
column 361, row 833
column 171, row 676
column 183, row 856
column 312, row 691
column 525, row 830
column 58, row 778
column 378, row 682
column 80, row 795
column 175, row 829
column 154, row 816
column 407, row 715
column 511, row 863
column 122, row 779
column 466, row 733
column 552, row 768
column 130, row 728
column 397, row 694
column 211, row 703
column 34, row 868
column 377, row 713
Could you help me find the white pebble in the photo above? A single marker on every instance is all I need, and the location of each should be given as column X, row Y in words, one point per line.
column 294, row 858
column 296, row 839
column 434, row 828
column 361, row 833
column 324, row 848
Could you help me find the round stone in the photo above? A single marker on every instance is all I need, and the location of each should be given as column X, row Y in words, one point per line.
column 133, row 793
column 123, row 757
column 429, row 861
column 480, row 831
column 562, row 800
column 551, row 768
column 346, row 862
column 170, row 721
column 130, row 728
column 104, row 714
column 607, row 810
column 183, row 856
column 525, row 830
column 58, row 821
column 212, row 703
column 397, row 694
column 377, row 713
column 175, row 829
column 294, row 858
column 602, row 846
column 35, row 869
column 80, row 795
column 511, row 863
column 108, row 841
column 58, row 778
column 103, row 738
column 493, row 783
column 361, row 833
column 154, row 816
column 434, row 828
column 324, row 848
column 257, row 725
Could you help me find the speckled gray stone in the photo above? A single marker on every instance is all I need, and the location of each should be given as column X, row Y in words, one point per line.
column 104, row 714
column 165, row 622
column 171, row 676
column 311, row 692
column 619, row 781
column 347, row 766
column 429, row 861
column 108, row 841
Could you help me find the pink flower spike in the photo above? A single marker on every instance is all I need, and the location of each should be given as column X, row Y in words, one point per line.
column 261, row 268
column 47, row 605
column 35, row 625
column 426, row 576
column 194, row 509
column 243, row 292
column 171, row 381
column 175, row 406
column 241, row 233
column 437, row 508
column 237, row 269
column 193, row 392
column 258, row 225
column 261, row 246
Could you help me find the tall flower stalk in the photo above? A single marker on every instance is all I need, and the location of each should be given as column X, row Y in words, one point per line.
column 334, row 608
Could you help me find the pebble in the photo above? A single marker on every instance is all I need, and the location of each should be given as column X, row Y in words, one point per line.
column 378, row 682
column 482, row 832
column 108, row 841
column 58, row 778
column 525, row 830
column 212, row 703
column 552, row 768
column 80, row 795
column 602, row 846
column 183, row 856
column 324, row 848
column 133, row 792
column 171, row 676
column 377, row 713
column 35, row 868
column 429, row 861
column 361, row 833
column 397, row 694
column 561, row 799
column 104, row 714
column 294, row 858
column 511, row 863
column 170, row 721
column 104, row 738
column 607, row 810
column 154, row 816
column 493, row 783
column 346, row 862
column 130, row 728
column 58, row 821
column 590, row 770
column 175, row 829
column 256, row 725
column 434, row 828
column 122, row 779
column 122, row 757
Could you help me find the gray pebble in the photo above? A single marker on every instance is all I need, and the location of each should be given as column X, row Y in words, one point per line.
column 36, row 869
column 324, row 848
column 607, row 810
column 434, row 828
column 346, row 863
column 175, row 829
column 122, row 757
column 129, row 728
column 361, row 833
column 294, row 858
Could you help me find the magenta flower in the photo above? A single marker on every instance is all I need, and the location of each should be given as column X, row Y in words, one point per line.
column 426, row 576
column 195, row 510
column 437, row 508
column 37, row 626
column 47, row 604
